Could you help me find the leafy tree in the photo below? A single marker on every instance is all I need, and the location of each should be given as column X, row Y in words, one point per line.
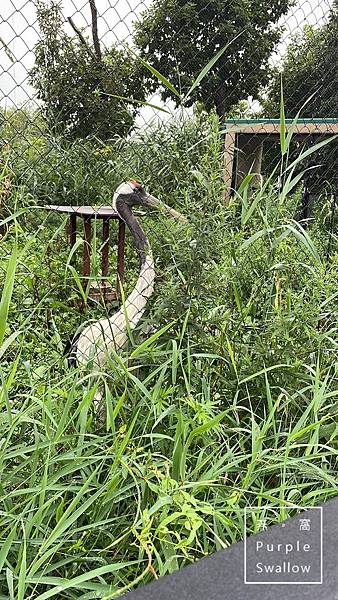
column 179, row 37
column 77, row 81
column 310, row 67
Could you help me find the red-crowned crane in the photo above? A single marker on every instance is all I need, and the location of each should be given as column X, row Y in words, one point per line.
column 92, row 345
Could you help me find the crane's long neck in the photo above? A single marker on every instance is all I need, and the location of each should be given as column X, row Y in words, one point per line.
column 137, row 300
column 135, row 228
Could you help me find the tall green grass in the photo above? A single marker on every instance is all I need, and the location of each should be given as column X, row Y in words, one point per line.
column 230, row 402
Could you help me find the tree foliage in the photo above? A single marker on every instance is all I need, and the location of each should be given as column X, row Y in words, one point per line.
column 77, row 81
column 179, row 37
column 310, row 67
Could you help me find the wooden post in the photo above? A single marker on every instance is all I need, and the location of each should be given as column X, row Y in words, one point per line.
column 229, row 151
column 105, row 248
column 86, row 246
column 72, row 229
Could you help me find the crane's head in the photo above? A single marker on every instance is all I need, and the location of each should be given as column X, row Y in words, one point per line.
column 132, row 193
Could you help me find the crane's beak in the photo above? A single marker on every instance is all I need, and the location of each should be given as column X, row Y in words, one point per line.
column 153, row 202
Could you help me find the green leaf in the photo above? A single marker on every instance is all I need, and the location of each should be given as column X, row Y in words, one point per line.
column 132, row 101
column 291, row 183
column 154, row 71
column 6, row 344
column 264, row 371
column 77, row 582
column 23, row 568
column 245, row 183
column 196, row 432
column 309, row 151
column 142, row 347
column 282, row 121
column 6, row 546
column 65, row 523
column 251, row 209
column 302, row 235
column 209, row 66
column 78, row 283
column 7, row 292
column 254, row 237
column 10, row 583
column 294, row 122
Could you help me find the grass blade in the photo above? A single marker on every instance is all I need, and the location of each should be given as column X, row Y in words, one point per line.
column 142, row 347
column 76, row 583
column 282, row 121
column 155, row 72
column 140, row 102
column 305, row 240
column 23, row 567
column 209, row 66
column 309, row 151
column 7, row 292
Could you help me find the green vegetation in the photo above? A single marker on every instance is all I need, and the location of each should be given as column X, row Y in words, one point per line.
column 179, row 38
column 226, row 395
column 309, row 71
column 230, row 400
column 78, row 82
column 84, row 88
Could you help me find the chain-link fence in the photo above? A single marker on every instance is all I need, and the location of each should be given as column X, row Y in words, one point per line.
column 155, row 255
column 72, row 68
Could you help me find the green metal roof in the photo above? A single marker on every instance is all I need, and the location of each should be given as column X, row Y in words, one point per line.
column 288, row 121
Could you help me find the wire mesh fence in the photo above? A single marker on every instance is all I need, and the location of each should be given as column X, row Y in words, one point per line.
column 145, row 187
column 67, row 68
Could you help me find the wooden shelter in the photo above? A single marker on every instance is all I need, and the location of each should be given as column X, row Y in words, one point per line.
column 244, row 143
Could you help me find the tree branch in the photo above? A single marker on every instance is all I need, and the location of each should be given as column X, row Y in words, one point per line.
column 8, row 51
column 95, row 34
column 80, row 36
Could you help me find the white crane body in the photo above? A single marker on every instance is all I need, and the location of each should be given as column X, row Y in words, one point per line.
column 92, row 345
